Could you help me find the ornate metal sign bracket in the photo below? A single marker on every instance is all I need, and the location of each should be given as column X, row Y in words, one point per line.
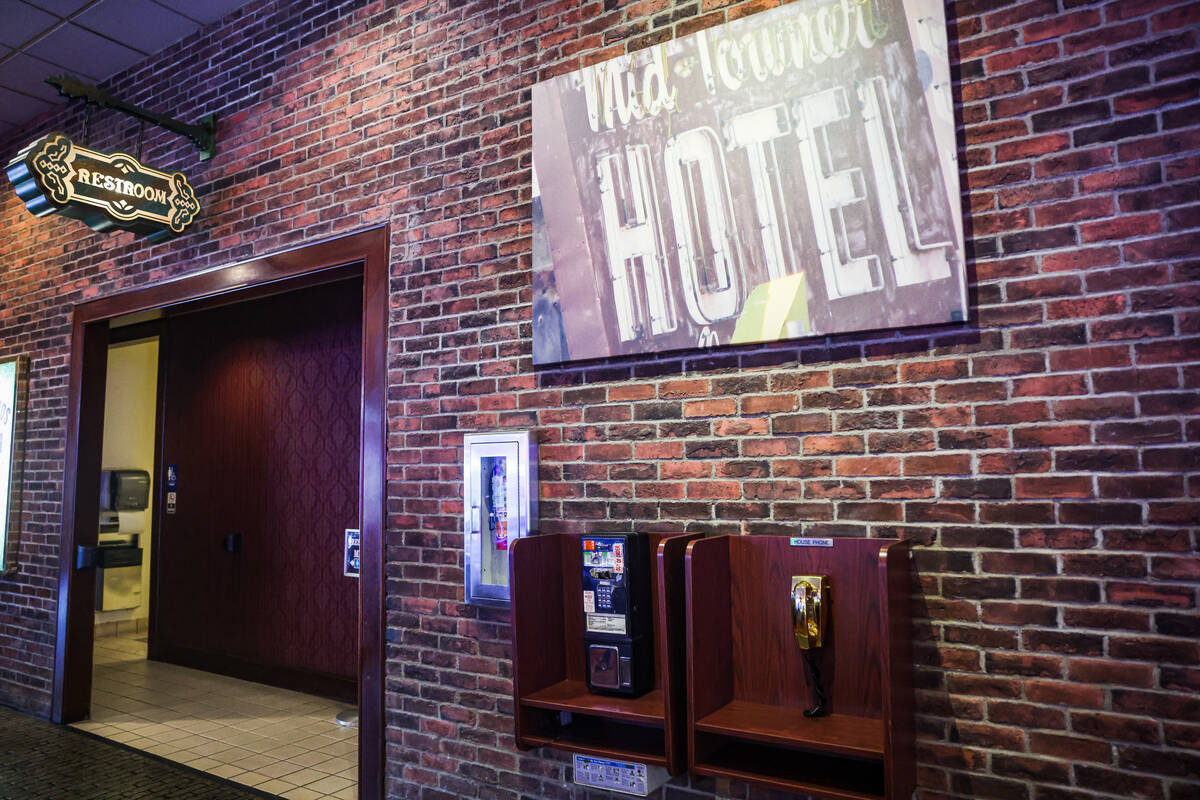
column 204, row 135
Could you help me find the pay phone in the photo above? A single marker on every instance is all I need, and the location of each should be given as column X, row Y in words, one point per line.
column 616, row 605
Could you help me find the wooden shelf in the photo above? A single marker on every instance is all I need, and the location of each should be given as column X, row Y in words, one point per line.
column 859, row 737
column 592, row 737
column 748, row 682
column 833, row 779
column 574, row 696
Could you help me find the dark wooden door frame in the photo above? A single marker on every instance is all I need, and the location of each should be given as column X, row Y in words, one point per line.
column 280, row 272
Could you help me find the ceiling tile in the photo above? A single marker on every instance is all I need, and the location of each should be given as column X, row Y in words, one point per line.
column 28, row 75
column 140, row 24
column 18, row 108
column 62, row 8
column 205, row 11
column 22, row 22
column 84, row 51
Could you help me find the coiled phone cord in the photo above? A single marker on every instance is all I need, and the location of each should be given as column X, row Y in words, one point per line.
column 810, row 658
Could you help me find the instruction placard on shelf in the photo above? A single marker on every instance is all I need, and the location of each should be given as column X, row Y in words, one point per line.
column 628, row 777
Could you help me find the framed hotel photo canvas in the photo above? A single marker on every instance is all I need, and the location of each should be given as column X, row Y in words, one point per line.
column 787, row 174
column 12, row 401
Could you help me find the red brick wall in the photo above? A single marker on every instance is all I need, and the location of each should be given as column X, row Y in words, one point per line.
column 1045, row 452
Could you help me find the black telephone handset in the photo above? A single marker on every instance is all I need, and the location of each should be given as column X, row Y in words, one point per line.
column 617, row 614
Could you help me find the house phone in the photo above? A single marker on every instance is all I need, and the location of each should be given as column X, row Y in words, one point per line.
column 809, row 599
column 616, row 606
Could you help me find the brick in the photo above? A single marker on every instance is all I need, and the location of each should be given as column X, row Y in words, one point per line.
column 1027, row 715
column 1019, row 563
column 1165, row 650
column 1100, row 513
column 1108, row 83
column 937, row 465
column 1053, row 436
column 1173, row 568
column 1025, row 664
column 1060, row 590
column 1037, row 769
column 1149, row 432
column 868, row 465
column 1104, row 37
column 1061, row 642
column 1022, row 613
column 833, row 444
column 800, row 423
column 759, row 404
column 1070, row 116
column 1105, row 671
column 981, row 686
column 1159, row 704
column 1141, row 486
column 1060, row 25
column 1116, row 728
column 1071, row 748
column 1145, row 540
column 1080, row 258
column 1150, row 595
column 1054, row 486
column 1124, row 783
column 1155, row 761
column 1106, row 619
column 1126, row 227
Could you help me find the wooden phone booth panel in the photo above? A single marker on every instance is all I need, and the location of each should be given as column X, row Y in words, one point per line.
column 749, row 685
column 552, row 703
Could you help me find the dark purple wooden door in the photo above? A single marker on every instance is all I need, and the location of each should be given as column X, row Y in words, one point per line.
column 261, row 421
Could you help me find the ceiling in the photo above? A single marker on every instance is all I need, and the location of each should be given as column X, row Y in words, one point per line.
column 89, row 39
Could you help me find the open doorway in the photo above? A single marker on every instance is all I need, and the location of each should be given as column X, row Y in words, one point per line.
column 235, row 579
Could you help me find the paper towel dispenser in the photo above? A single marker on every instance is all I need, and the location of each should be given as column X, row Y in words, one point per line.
column 124, row 489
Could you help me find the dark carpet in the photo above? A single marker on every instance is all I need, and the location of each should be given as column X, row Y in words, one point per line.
column 42, row 761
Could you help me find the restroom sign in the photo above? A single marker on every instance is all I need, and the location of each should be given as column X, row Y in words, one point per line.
column 107, row 191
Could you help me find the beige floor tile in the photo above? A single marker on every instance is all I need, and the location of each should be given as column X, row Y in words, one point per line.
column 316, row 742
column 284, row 752
column 303, row 777
column 252, row 778
column 201, row 762
column 342, row 749
column 310, row 758
column 225, row 771
column 208, row 747
column 333, row 765
column 329, row 784
column 299, row 793
column 279, row 769
column 231, row 755
column 254, row 761
column 164, row 749
column 274, row 786
column 347, row 794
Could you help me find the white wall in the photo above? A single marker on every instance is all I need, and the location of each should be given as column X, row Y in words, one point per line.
column 130, row 400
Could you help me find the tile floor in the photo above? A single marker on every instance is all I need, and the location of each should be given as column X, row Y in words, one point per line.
column 274, row 740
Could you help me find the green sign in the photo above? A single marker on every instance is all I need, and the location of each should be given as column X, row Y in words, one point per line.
column 108, row 191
